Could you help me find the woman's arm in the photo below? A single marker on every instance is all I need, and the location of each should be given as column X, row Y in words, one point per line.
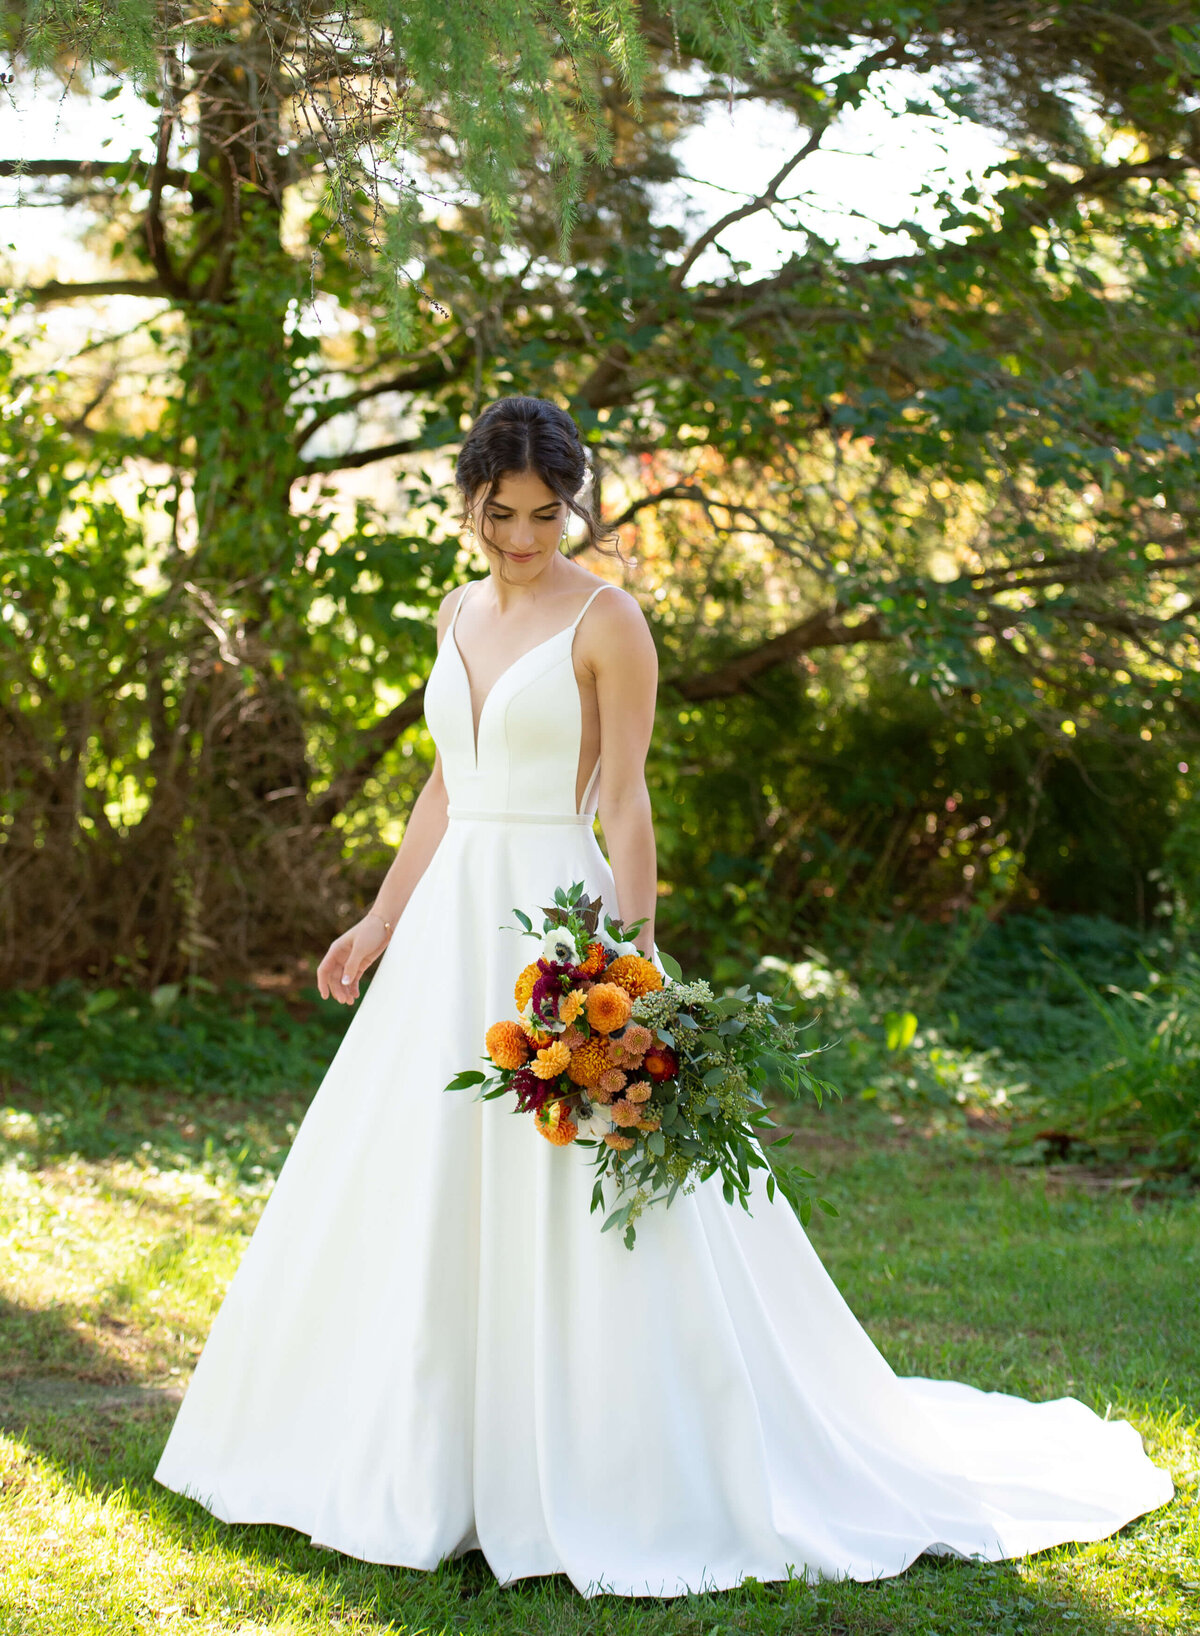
column 350, row 954
column 621, row 655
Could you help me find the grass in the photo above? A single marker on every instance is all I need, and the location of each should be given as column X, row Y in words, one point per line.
column 957, row 1263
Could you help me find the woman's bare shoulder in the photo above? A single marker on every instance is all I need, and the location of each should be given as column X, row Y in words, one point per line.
column 619, row 607
column 615, row 625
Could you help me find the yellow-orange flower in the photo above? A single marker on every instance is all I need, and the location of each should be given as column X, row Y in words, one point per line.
column 554, row 1125
column 551, row 1061
column 588, row 1061
column 621, row 1143
column 570, row 1006
column 640, row 1091
column 524, row 989
column 635, row 974
column 536, row 1036
column 506, row 1044
column 649, row 1124
column 608, row 1007
column 624, row 1113
column 593, row 963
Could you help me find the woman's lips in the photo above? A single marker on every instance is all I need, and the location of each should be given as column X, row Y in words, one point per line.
column 521, row 556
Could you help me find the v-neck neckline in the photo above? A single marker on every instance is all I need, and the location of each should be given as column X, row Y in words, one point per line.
column 477, row 725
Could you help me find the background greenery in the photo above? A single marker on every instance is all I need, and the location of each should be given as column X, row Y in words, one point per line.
column 913, row 528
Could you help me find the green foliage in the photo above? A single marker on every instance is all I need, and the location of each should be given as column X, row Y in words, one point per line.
column 510, row 84
column 206, row 1080
column 1138, row 1099
column 883, row 799
column 1076, row 1037
column 238, row 1041
column 913, row 525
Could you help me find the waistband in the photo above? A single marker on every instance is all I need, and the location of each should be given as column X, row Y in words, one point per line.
column 495, row 817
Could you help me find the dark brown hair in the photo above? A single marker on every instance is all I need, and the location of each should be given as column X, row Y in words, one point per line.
column 515, row 435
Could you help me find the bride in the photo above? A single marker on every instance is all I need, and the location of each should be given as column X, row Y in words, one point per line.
column 429, row 1346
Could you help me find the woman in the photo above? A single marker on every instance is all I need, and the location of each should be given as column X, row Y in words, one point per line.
column 429, row 1345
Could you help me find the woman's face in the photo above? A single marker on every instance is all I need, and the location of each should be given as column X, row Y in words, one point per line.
column 521, row 526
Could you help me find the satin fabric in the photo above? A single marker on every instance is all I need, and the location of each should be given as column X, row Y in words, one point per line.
column 429, row 1346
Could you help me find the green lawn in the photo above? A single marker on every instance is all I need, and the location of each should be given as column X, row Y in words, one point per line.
column 959, row 1265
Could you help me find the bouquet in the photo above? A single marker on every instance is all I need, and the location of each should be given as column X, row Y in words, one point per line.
column 662, row 1080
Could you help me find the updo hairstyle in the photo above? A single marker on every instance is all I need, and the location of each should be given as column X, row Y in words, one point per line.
column 521, row 434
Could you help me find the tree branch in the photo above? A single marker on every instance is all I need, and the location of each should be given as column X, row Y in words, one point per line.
column 823, row 629
column 355, row 458
column 156, row 238
column 679, row 491
column 1033, row 212
column 45, row 294
column 763, row 201
column 108, row 170
column 444, row 365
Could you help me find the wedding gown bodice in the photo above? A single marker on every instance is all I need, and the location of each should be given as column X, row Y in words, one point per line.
column 526, row 763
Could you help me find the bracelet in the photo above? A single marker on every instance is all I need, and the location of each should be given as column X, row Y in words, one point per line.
column 387, row 924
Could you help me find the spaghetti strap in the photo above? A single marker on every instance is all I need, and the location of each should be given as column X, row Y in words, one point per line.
column 607, row 586
column 459, row 604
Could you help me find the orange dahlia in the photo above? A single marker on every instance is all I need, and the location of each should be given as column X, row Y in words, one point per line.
column 551, row 1061
column 554, row 1124
column 588, row 1061
column 608, row 1007
column 506, row 1044
column 635, row 974
column 621, row 1143
column 524, row 989
column 639, row 1091
column 570, row 1006
column 624, row 1113
column 593, row 963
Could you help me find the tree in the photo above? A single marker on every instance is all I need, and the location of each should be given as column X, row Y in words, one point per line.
column 975, row 455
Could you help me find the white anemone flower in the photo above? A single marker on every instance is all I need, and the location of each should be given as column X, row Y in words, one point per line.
column 560, row 945
column 597, row 1124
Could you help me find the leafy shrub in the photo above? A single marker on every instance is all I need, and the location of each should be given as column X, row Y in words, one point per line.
column 1140, row 1101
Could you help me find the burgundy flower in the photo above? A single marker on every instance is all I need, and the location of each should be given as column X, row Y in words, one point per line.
column 557, row 977
column 660, row 1062
column 532, row 1093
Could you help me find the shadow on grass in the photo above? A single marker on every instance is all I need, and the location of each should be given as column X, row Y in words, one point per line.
column 42, row 1342
column 107, row 1453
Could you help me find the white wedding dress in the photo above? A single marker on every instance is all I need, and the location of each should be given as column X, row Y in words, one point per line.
column 429, row 1345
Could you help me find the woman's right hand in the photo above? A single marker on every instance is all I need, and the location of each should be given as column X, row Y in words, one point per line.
column 348, row 957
